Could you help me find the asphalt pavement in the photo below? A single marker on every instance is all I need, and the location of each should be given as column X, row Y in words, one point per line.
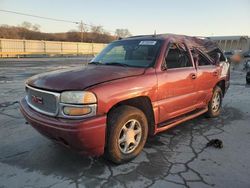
column 175, row 158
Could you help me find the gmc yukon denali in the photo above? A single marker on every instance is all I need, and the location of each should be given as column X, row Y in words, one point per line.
column 135, row 88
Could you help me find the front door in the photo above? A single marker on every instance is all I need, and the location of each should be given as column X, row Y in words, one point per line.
column 177, row 84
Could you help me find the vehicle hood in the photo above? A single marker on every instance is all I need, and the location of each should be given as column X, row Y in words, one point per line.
column 81, row 78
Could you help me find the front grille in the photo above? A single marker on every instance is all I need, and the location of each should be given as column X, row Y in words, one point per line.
column 42, row 101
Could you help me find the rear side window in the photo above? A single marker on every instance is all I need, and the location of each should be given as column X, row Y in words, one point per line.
column 213, row 53
column 202, row 61
column 201, row 58
column 177, row 57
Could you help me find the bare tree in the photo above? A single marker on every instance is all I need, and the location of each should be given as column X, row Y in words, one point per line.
column 97, row 29
column 123, row 33
column 30, row 26
column 73, row 36
column 26, row 25
column 21, row 32
column 36, row 27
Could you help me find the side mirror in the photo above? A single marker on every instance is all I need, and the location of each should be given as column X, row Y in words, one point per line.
column 217, row 59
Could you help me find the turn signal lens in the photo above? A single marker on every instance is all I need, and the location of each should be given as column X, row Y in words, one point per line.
column 76, row 111
column 89, row 98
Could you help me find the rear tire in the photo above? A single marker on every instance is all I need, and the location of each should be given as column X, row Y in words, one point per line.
column 127, row 132
column 214, row 105
column 248, row 81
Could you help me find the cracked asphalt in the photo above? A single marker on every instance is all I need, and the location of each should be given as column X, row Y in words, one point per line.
column 175, row 158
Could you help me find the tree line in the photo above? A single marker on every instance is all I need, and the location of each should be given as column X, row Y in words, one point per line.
column 30, row 31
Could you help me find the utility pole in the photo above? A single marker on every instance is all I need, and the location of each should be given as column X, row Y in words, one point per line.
column 81, row 27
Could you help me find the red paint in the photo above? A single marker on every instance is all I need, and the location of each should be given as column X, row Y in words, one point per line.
column 85, row 136
column 81, row 78
column 172, row 93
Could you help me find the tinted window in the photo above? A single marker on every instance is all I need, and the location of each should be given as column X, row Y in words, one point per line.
column 202, row 61
column 177, row 57
column 213, row 54
column 201, row 58
column 229, row 53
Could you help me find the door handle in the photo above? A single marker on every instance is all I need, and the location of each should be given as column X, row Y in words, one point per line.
column 215, row 73
column 193, row 76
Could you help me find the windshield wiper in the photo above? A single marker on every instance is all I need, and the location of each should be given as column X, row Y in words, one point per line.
column 116, row 63
column 96, row 63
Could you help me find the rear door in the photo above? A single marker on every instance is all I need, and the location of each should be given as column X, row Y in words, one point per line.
column 207, row 77
column 177, row 83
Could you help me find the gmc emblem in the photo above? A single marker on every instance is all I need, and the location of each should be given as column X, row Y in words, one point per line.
column 36, row 99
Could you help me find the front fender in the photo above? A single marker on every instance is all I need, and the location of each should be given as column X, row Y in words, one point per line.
column 111, row 93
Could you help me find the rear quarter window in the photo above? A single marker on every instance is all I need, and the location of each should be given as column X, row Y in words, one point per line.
column 213, row 53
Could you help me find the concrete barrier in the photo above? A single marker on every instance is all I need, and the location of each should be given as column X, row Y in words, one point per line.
column 15, row 48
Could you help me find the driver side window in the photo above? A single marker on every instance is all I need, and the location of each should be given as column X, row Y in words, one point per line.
column 177, row 57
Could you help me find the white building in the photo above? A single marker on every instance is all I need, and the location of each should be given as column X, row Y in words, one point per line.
column 232, row 43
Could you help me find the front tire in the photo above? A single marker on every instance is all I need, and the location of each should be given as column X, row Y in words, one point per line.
column 214, row 105
column 127, row 132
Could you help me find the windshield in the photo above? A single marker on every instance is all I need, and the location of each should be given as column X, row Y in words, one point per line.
column 134, row 53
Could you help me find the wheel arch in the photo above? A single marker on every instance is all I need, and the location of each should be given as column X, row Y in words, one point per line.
column 144, row 104
column 222, row 85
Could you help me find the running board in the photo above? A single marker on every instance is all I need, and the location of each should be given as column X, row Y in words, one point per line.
column 175, row 121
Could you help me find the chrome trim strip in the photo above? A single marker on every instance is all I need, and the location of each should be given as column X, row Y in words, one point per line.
column 43, row 91
column 57, row 96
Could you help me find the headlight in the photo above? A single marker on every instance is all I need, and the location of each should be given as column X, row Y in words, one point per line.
column 78, row 104
column 78, row 97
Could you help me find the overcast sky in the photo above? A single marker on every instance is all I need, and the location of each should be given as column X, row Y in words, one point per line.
column 190, row 17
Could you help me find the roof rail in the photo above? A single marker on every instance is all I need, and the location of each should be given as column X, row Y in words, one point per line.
column 142, row 36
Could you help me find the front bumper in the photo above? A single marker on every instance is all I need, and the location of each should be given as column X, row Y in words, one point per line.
column 86, row 136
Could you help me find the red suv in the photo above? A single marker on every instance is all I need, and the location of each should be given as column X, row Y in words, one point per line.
column 135, row 87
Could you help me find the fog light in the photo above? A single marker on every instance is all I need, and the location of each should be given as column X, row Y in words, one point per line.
column 76, row 111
